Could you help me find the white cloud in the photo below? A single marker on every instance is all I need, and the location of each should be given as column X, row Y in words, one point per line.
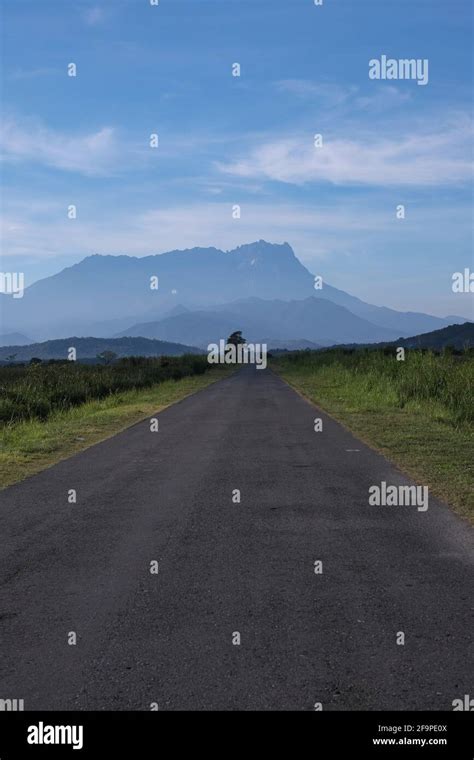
column 315, row 231
column 19, row 73
column 333, row 94
column 416, row 159
column 378, row 96
column 345, row 241
column 309, row 229
column 105, row 152
column 94, row 16
column 382, row 97
column 92, row 154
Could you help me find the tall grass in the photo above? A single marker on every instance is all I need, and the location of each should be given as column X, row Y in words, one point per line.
column 36, row 390
column 444, row 381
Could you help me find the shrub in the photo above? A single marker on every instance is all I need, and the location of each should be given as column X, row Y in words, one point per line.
column 39, row 388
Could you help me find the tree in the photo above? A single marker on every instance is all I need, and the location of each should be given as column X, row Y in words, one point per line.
column 107, row 357
column 235, row 339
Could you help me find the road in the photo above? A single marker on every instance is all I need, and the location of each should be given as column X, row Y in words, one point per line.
column 227, row 568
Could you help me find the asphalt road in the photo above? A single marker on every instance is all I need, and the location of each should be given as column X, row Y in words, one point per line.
column 227, row 568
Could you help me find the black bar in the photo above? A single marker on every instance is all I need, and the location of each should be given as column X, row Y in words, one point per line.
column 313, row 735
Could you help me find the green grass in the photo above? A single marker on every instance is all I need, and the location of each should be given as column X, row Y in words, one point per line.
column 417, row 412
column 38, row 389
column 29, row 446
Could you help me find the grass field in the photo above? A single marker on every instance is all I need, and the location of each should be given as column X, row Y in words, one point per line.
column 418, row 412
column 38, row 389
column 28, row 445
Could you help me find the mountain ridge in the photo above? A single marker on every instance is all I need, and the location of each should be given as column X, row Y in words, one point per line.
column 89, row 348
column 313, row 319
column 102, row 295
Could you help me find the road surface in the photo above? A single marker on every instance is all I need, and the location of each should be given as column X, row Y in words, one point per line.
column 228, row 570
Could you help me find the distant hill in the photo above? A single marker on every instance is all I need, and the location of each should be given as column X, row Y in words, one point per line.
column 102, row 295
column 14, row 339
column 88, row 348
column 291, row 345
column 199, row 327
column 312, row 319
column 457, row 336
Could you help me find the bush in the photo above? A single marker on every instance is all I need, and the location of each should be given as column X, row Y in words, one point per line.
column 445, row 379
column 40, row 388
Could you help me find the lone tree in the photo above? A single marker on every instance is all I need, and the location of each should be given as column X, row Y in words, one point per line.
column 235, row 339
column 107, row 357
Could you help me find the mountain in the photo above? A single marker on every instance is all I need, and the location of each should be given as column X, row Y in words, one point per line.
column 200, row 327
column 273, row 322
column 457, row 336
column 17, row 339
column 292, row 345
column 89, row 348
column 102, row 295
column 402, row 321
column 102, row 288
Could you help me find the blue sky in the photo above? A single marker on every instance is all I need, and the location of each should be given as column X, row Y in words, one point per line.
column 245, row 140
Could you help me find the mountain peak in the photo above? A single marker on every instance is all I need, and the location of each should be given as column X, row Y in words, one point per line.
column 264, row 247
column 103, row 293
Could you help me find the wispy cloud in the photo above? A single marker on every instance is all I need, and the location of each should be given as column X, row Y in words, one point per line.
column 338, row 240
column 93, row 154
column 414, row 159
column 94, row 16
column 316, row 231
column 382, row 97
column 109, row 152
column 333, row 95
column 47, row 230
column 307, row 90
column 19, row 73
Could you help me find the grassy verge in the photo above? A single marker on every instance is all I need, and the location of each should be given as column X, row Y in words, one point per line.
column 427, row 434
column 29, row 446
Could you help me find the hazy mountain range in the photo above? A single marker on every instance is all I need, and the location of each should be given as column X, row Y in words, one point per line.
column 90, row 348
column 459, row 337
column 314, row 319
column 14, row 339
column 204, row 294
